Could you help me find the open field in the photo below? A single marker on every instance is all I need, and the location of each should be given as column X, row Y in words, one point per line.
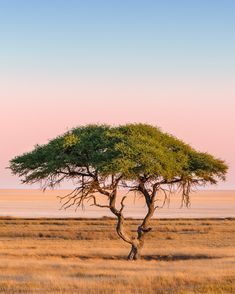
column 85, row 256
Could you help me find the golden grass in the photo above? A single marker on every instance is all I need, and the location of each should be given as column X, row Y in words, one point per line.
column 85, row 256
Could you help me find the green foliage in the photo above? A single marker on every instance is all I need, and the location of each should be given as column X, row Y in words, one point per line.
column 131, row 151
column 70, row 140
column 143, row 151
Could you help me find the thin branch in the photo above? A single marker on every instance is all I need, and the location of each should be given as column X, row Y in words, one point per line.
column 95, row 202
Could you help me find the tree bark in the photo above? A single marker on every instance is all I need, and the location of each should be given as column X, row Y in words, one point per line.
column 136, row 243
column 135, row 252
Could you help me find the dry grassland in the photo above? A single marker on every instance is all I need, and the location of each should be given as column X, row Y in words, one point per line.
column 85, row 256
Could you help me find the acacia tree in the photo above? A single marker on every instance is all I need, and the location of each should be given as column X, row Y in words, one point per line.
column 101, row 159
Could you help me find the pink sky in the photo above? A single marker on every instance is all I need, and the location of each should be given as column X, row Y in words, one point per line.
column 198, row 110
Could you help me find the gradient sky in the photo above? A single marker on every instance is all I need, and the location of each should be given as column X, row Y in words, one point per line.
column 67, row 63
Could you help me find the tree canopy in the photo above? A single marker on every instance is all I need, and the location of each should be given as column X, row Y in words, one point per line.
column 132, row 151
column 102, row 158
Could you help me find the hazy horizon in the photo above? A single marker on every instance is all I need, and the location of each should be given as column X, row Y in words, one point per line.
column 66, row 189
column 36, row 204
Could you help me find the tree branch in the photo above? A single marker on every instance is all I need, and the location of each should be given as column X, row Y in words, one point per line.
column 95, row 202
column 122, row 204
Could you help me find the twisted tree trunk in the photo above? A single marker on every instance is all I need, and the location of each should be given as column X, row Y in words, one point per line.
column 136, row 243
column 144, row 228
column 135, row 252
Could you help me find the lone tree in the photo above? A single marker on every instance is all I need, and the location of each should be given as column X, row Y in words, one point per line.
column 102, row 160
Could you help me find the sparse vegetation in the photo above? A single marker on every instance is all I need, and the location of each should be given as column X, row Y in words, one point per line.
column 85, row 256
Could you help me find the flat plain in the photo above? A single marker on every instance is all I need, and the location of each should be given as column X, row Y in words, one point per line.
column 85, row 256
column 36, row 203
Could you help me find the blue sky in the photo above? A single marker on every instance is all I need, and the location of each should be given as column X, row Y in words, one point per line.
column 130, row 37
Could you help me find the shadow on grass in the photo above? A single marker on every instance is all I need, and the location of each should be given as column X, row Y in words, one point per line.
column 176, row 257
column 156, row 257
column 170, row 257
